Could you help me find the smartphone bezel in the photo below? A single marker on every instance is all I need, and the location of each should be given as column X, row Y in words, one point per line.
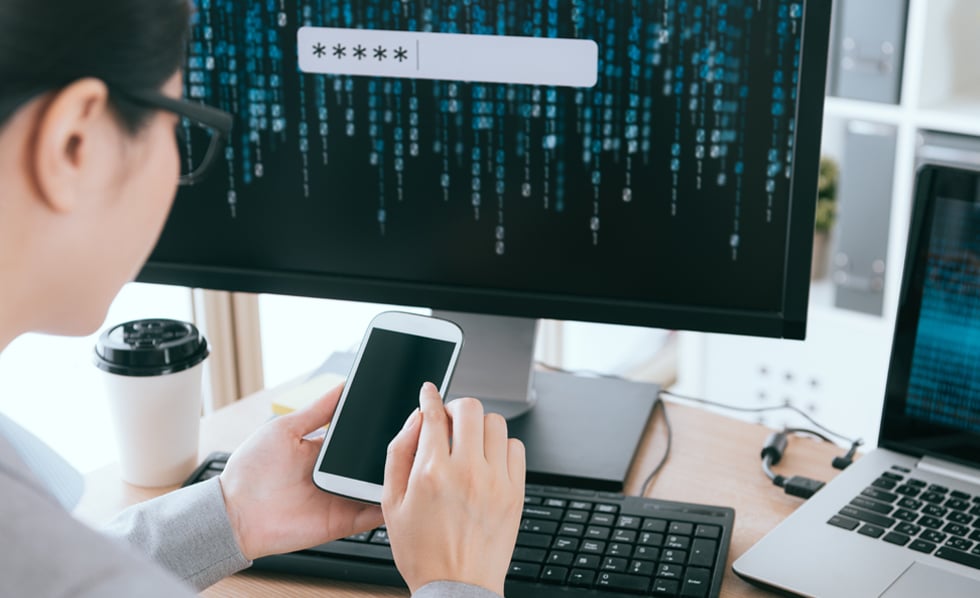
column 394, row 321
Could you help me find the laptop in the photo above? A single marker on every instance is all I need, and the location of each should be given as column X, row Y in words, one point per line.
column 904, row 520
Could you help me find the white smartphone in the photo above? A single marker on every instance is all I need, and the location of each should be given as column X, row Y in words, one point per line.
column 399, row 353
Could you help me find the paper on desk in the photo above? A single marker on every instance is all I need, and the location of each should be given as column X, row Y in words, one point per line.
column 306, row 393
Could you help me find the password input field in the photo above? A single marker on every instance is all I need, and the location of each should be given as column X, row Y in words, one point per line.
column 449, row 56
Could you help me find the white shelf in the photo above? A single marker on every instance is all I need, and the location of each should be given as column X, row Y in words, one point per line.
column 957, row 115
column 848, row 109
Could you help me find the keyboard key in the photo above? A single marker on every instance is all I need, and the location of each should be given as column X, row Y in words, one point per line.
column 533, row 540
column 712, row 532
column 677, row 542
column 554, row 574
column 581, row 578
column 572, row 529
column 665, row 587
column 615, row 565
column 879, row 494
column 938, row 489
column 529, row 555
column 668, row 571
column 960, row 557
column 658, row 526
column 957, row 504
column 642, row 568
column 361, row 537
column 580, row 505
column 647, row 552
column 922, row 546
column 681, row 529
column 960, row 495
column 910, row 503
column 622, row 535
column 525, row 571
column 587, row 561
column 867, row 516
column 959, row 544
column 625, row 583
column 570, row 544
column 872, row 531
column 908, row 528
column 930, row 522
column 975, row 511
column 650, row 539
column 896, row 538
column 539, row 527
column 558, row 557
column 959, row 517
column 933, row 536
column 872, row 505
column 975, row 535
column 843, row 522
column 380, row 537
column 905, row 515
column 611, row 509
column 933, row 497
column 628, row 522
column 696, row 584
column 907, row 491
column 956, row 529
column 595, row 532
column 533, row 500
column 602, row 519
column 703, row 552
column 591, row 546
column 577, row 517
column 619, row 549
column 893, row 476
column 884, row 484
column 536, row 512
column 559, row 503
column 675, row 557
column 935, row 510
column 916, row 483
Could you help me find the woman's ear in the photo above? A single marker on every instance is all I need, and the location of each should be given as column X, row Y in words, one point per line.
column 71, row 130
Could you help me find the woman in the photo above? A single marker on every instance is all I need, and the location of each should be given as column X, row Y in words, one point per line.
column 89, row 167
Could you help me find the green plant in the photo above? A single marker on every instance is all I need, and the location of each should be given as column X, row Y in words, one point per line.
column 827, row 195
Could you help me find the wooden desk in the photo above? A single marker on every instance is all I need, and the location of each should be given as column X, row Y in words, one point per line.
column 714, row 460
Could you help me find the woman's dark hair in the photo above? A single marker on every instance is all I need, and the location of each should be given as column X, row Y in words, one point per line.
column 132, row 45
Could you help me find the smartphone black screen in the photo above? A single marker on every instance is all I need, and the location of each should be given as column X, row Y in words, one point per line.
column 383, row 392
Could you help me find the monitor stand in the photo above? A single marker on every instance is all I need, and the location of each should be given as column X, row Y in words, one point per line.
column 578, row 431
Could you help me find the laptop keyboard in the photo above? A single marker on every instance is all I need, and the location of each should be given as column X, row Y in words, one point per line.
column 572, row 542
column 927, row 518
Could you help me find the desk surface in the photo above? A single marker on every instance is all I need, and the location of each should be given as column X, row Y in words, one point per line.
column 714, row 459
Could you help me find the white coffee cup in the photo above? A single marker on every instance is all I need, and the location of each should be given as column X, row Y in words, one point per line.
column 153, row 382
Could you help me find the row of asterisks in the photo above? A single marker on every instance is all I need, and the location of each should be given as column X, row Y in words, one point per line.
column 360, row 52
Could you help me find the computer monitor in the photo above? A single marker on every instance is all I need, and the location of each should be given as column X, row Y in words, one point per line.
column 644, row 162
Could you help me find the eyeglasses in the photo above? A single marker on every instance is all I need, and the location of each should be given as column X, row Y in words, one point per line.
column 200, row 134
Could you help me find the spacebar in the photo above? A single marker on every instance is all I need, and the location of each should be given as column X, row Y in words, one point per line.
column 958, row 556
column 343, row 548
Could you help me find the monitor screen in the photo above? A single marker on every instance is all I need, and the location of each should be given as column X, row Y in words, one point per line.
column 647, row 162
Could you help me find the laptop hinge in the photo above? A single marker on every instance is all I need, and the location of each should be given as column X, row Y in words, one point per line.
column 959, row 472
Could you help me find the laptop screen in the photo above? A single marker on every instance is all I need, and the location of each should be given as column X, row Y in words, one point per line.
column 932, row 404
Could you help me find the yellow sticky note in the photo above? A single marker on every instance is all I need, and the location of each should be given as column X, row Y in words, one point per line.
column 305, row 393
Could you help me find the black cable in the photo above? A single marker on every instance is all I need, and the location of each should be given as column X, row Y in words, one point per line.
column 663, row 459
column 739, row 408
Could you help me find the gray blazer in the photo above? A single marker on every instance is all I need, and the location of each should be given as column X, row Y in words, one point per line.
column 45, row 552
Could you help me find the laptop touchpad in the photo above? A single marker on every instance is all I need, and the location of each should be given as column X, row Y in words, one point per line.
column 922, row 580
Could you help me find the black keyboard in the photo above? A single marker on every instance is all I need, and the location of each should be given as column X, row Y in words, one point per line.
column 572, row 542
column 927, row 518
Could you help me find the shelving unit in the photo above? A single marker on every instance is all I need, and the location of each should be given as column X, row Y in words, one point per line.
column 838, row 374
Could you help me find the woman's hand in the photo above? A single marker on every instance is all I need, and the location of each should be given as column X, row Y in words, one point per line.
column 272, row 503
column 453, row 508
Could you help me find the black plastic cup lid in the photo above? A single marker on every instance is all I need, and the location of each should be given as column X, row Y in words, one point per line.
column 151, row 347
